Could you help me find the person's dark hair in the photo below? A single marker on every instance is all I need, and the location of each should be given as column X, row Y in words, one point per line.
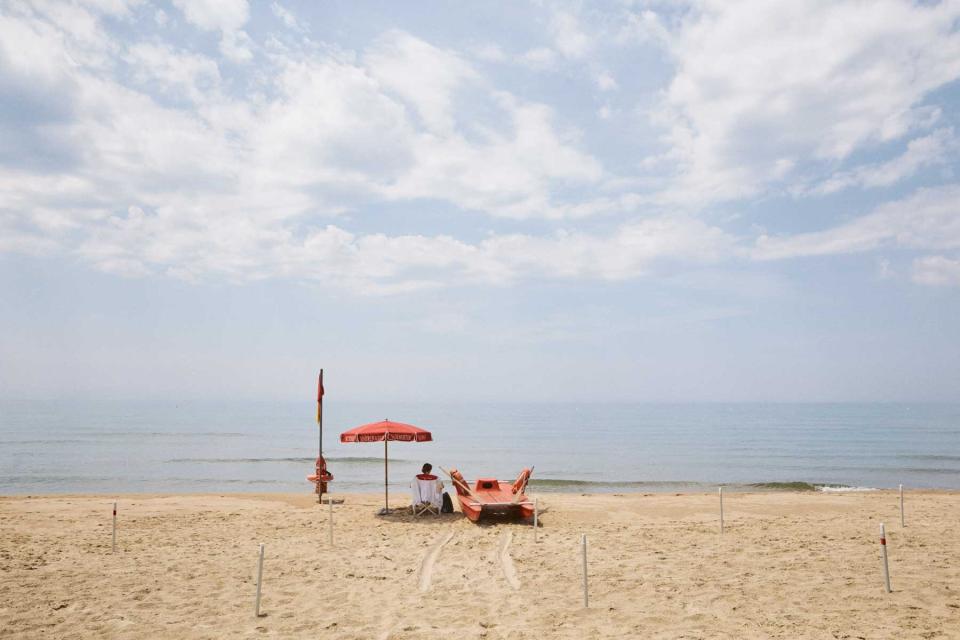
column 427, row 467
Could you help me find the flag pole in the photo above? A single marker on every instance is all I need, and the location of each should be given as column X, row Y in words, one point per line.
column 321, row 468
column 320, row 414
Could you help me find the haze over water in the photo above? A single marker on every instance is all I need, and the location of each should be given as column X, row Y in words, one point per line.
column 104, row 447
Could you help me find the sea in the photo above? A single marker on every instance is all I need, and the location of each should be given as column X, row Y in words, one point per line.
column 112, row 447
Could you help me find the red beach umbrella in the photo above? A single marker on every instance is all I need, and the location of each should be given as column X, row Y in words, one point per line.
column 386, row 430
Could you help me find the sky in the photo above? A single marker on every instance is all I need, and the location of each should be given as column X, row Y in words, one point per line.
column 494, row 201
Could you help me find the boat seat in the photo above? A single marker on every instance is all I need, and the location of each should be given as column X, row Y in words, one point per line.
column 488, row 484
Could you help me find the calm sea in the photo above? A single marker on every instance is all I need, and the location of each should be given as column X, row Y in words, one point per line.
column 89, row 447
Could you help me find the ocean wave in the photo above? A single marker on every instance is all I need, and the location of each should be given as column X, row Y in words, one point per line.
column 785, row 486
column 559, row 483
column 930, row 457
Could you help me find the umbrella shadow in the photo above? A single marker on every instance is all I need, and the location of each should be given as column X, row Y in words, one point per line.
column 405, row 515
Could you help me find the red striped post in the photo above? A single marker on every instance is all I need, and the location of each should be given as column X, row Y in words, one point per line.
column 886, row 568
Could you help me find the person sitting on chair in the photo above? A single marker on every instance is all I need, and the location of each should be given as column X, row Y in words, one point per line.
column 426, row 475
column 427, row 492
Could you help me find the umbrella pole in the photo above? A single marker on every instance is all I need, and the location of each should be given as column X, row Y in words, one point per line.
column 386, row 482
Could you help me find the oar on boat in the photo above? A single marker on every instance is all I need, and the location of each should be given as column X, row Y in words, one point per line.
column 462, row 484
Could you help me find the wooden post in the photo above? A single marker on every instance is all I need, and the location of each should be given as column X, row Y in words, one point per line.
column 114, row 528
column 886, row 568
column 330, row 502
column 536, row 515
column 720, row 491
column 583, row 552
column 902, row 522
column 386, row 478
column 259, row 579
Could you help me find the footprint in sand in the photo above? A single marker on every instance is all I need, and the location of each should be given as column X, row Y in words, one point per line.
column 503, row 554
column 426, row 566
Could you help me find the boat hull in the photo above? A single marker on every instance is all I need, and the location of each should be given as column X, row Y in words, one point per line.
column 501, row 504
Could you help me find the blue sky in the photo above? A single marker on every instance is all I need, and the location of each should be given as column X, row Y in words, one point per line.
column 677, row 201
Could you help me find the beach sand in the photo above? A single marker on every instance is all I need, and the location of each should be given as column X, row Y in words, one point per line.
column 788, row 565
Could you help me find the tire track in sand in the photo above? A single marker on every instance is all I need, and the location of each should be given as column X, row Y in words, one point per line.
column 506, row 562
column 426, row 565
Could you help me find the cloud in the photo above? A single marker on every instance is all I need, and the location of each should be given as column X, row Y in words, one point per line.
column 225, row 16
column 927, row 219
column 141, row 155
column 922, row 152
column 606, row 82
column 936, row 271
column 160, row 67
column 568, row 37
column 539, row 58
column 762, row 89
column 286, row 17
column 423, row 75
column 174, row 173
column 215, row 15
column 141, row 243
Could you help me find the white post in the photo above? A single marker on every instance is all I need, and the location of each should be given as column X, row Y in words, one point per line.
column 114, row 527
column 720, row 491
column 902, row 523
column 536, row 514
column 259, row 578
column 330, row 502
column 583, row 551
column 886, row 568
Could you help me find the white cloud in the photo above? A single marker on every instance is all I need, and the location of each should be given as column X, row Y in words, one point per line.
column 286, row 17
column 137, row 244
column 225, row 16
column 568, row 37
column 539, row 58
column 236, row 46
column 936, row 271
column 761, row 83
column 606, row 82
column 925, row 151
column 160, row 67
column 490, row 52
column 928, row 219
column 215, row 15
column 421, row 74
column 643, row 26
column 168, row 172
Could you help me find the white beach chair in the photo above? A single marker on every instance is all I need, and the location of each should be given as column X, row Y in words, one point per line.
column 426, row 496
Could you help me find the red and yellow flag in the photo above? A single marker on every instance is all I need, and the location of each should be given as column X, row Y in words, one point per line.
column 320, row 398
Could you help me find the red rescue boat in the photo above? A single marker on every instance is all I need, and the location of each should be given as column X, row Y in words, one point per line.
column 492, row 497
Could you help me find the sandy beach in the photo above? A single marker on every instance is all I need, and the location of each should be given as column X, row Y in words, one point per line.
column 788, row 565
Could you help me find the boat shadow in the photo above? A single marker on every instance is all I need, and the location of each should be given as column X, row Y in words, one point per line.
column 406, row 516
